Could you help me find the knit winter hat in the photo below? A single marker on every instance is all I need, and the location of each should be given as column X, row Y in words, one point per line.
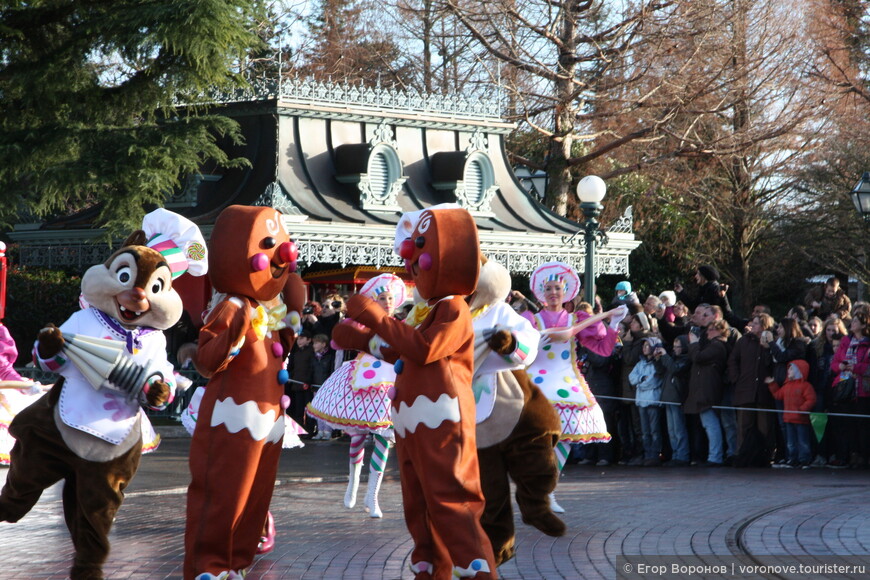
column 709, row 272
column 624, row 285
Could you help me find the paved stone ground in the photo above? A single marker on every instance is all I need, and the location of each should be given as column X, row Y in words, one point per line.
column 611, row 512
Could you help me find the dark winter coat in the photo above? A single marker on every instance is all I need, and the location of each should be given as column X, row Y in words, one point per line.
column 707, row 376
column 709, row 293
column 598, row 372
column 782, row 354
column 748, row 366
column 322, row 367
column 675, row 387
column 301, row 367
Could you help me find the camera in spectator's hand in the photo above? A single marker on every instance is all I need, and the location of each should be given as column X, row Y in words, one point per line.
column 308, row 310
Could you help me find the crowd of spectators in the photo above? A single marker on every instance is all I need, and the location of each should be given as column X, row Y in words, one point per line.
column 691, row 383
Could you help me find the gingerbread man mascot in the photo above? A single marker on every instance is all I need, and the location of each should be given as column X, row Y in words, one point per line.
column 237, row 441
column 111, row 357
column 433, row 406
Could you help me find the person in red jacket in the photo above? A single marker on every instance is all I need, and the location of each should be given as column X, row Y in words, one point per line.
column 798, row 397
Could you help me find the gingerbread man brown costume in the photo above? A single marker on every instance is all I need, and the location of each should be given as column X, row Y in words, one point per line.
column 433, row 407
column 237, row 441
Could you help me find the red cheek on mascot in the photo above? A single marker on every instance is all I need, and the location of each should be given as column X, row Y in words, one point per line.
column 236, row 445
column 433, row 407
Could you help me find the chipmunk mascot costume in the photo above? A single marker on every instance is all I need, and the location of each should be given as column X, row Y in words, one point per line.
column 237, row 440
column 111, row 357
column 433, row 406
column 517, row 427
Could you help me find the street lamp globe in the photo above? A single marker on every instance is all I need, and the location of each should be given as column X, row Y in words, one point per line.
column 861, row 196
column 591, row 189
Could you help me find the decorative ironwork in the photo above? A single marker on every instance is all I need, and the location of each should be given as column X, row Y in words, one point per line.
column 377, row 250
column 625, row 224
column 274, row 196
column 380, row 98
column 477, row 142
column 77, row 256
column 383, row 133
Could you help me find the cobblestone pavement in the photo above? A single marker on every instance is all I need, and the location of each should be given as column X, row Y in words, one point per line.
column 611, row 512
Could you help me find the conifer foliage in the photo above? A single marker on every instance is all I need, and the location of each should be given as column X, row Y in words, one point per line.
column 87, row 89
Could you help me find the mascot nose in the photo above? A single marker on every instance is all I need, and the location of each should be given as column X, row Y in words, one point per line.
column 137, row 294
column 287, row 252
column 406, row 249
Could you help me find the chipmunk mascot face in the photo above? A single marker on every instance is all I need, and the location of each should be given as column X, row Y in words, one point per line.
column 440, row 249
column 267, row 256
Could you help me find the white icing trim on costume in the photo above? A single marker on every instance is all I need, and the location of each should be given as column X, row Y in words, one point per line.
column 248, row 416
column 478, row 565
column 422, row 566
column 426, row 411
column 237, row 301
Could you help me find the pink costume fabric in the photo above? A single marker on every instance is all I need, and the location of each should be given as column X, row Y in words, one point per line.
column 556, row 372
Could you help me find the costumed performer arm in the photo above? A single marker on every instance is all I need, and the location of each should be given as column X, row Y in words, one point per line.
column 513, row 341
column 223, row 335
column 159, row 393
column 48, row 346
column 440, row 339
column 294, row 299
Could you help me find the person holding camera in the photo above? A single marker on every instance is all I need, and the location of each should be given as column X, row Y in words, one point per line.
column 331, row 314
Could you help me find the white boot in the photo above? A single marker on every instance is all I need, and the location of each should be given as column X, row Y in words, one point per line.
column 375, row 478
column 352, row 485
column 554, row 506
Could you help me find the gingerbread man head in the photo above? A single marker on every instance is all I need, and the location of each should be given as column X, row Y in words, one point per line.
column 441, row 250
column 252, row 253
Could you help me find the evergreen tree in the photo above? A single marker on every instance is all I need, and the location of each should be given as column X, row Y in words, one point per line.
column 87, row 94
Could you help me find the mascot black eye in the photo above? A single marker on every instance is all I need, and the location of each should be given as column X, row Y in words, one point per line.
column 269, row 243
column 124, row 274
column 420, row 241
column 157, row 286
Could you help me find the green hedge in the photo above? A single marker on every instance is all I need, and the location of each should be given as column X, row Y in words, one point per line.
column 34, row 297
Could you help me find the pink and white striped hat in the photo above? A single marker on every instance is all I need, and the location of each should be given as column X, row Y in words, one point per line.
column 386, row 283
column 178, row 239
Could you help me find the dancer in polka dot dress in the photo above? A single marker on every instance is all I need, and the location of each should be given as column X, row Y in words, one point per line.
column 556, row 369
column 356, row 399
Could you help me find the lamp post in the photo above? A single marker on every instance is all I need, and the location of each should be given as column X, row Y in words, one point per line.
column 590, row 191
column 861, row 196
column 861, row 199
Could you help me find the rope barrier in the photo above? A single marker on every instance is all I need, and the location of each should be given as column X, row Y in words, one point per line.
column 725, row 408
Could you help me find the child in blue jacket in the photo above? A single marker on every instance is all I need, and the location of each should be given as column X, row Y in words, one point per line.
column 648, row 377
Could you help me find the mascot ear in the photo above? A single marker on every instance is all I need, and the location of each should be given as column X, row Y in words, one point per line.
column 137, row 238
